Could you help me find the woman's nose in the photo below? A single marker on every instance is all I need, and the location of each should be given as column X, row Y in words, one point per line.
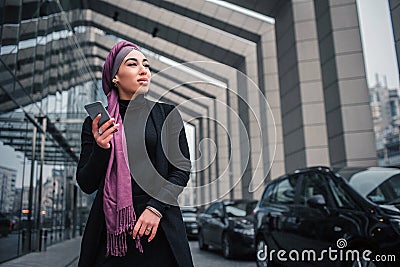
column 143, row 70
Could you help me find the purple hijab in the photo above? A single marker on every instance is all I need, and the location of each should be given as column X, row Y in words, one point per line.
column 118, row 208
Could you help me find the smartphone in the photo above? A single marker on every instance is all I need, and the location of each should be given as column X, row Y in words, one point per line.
column 94, row 109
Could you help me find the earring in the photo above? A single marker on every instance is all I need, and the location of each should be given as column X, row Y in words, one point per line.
column 115, row 82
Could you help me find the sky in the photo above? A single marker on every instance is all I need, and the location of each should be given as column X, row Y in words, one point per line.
column 378, row 41
column 379, row 55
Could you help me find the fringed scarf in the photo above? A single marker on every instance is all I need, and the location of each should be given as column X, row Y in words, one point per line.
column 118, row 208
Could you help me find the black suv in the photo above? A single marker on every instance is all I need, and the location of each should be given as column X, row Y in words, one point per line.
column 308, row 214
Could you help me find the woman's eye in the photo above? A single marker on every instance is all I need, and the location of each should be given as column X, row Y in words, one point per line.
column 132, row 64
column 147, row 66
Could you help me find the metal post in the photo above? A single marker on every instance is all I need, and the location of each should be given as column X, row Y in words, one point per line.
column 74, row 210
column 30, row 206
column 53, row 210
column 39, row 199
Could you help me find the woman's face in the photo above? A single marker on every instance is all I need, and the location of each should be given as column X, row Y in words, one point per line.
column 133, row 75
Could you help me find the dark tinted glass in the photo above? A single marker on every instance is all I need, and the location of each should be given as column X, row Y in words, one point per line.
column 284, row 191
column 267, row 196
column 212, row 208
column 313, row 184
column 241, row 209
column 341, row 197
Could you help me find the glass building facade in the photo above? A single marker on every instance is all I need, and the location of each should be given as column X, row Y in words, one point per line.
column 46, row 77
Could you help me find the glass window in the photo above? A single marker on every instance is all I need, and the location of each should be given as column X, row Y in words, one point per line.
column 341, row 197
column 284, row 191
column 240, row 209
column 216, row 207
column 267, row 196
column 212, row 208
column 313, row 184
column 388, row 192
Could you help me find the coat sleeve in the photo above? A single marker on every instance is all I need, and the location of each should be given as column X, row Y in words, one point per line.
column 93, row 161
column 177, row 151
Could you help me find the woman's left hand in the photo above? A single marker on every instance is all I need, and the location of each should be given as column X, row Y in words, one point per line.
column 147, row 220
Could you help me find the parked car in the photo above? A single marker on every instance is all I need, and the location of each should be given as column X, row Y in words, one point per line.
column 380, row 185
column 5, row 225
column 189, row 216
column 315, row 209
column 228, row 225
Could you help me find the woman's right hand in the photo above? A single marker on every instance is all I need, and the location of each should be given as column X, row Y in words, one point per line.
column 107, row 130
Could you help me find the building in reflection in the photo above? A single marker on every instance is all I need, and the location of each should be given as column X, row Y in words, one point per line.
column 8, row 178
column 385, row 109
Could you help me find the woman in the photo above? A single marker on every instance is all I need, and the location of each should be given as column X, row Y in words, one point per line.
column 131, row 223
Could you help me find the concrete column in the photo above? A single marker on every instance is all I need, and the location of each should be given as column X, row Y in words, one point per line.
column 268, row 61
column 301, row 92
column 349, row 121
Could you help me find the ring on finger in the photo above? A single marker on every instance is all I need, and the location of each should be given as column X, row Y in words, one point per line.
column 100, row 132
column 148, row 230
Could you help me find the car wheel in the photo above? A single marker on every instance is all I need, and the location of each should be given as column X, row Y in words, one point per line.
column 226, row 247
column 261, row 262
column 202, row 245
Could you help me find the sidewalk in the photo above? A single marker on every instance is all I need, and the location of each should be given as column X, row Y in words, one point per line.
column 58, row 255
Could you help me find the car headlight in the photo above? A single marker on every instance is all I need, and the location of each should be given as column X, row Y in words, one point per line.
column 244, row 231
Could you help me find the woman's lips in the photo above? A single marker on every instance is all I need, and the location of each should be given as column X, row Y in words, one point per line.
column 143, row 81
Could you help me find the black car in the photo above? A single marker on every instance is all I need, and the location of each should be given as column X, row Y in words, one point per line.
column 228, row 225
column 313, row 211
column 189, row 216
column 5, row 225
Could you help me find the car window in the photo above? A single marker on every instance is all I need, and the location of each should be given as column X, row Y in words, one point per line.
column 341, row 197
column 267, row 196
column 216, row 207
column 388, row 192
column 313, row 184
column 212, row 208
column 240, row 209
column 284, row 191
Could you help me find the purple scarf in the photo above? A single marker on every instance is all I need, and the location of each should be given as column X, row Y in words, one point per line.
column 118, row 208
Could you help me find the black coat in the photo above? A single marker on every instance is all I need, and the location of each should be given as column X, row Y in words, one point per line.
column 91, row 172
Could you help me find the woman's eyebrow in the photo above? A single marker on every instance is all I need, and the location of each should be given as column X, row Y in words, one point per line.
column 135, row 59
column 131, row 58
